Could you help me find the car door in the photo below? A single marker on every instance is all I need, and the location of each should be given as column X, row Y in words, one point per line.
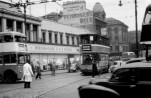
column 143, row 86
column 123, row 81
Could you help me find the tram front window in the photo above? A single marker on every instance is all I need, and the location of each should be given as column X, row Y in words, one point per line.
column 87, row 59
column 147, row 19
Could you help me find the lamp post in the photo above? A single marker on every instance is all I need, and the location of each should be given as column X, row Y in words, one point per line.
column 137, row 47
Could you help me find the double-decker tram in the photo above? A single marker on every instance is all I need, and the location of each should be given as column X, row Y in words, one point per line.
column 94, row 46
column 13, row 54
column 145, row 32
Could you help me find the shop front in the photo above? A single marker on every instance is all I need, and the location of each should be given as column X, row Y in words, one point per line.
column 61, row 55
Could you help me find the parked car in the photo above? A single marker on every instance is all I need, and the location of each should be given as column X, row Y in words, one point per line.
column 131, row 80
column 115, row 65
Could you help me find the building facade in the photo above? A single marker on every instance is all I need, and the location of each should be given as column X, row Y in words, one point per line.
column 117, row 32
column 76, row 14
column 48, row 41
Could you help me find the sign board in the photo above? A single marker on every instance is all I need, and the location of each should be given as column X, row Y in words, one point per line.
column 86, row 47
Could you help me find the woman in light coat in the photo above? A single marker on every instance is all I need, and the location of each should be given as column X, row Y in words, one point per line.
column 27, row 74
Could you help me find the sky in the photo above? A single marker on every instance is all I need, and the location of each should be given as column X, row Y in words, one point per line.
column 125, row 13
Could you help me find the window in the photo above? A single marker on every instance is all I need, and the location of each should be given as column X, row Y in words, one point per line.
column 10, row 58
column 56, row 38
column 87, row 59
column 116, row 30
column 116, row 39
column 8, row 38
column 67, row 37
column 13, row 58
column 44, row 37
column 77, row 41
column 7, row 58
column 21, row 59
column 117, row 48
column 18, row 38
column 72, row 40
column 50, row 39
column 61, row 39
column 122, row 75
column 0, row 59
column 1, row 39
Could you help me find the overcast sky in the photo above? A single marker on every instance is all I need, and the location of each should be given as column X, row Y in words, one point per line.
column 125, row 13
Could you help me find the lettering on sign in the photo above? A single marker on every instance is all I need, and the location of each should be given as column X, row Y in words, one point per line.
column 86, row 48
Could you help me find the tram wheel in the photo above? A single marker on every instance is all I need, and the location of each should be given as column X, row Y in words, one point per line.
column 10, row 77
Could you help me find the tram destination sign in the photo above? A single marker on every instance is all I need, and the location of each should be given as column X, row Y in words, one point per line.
column 86, row 47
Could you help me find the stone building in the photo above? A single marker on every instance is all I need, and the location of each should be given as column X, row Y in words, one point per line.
column 117, row 32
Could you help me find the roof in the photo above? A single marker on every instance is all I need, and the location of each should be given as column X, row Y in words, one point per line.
column 98, row 7
column 137, row 65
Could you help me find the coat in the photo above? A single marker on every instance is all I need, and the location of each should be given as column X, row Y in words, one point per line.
column 27, row 73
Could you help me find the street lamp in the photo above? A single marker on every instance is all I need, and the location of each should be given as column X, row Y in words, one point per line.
column 137, row 48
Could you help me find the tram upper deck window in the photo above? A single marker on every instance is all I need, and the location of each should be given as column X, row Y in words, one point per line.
column 85, row 40
column 8, row 38
column 19, row 38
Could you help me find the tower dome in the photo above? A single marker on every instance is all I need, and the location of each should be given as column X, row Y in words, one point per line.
column 98, row 7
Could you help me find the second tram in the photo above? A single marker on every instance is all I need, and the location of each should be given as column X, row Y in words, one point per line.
column 94, row 46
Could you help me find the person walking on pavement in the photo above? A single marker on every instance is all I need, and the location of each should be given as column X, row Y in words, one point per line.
column 38, row 69
column 53, row 68
column 27, row 74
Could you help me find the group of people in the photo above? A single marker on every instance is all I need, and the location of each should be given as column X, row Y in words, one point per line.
column 30, row 70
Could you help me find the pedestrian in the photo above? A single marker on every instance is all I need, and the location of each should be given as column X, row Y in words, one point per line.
column 50, row 65
column 38, row 70
column 53, row 68
column 27, row 74
column 95, row 69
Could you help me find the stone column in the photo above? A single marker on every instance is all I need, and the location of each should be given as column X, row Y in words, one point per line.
column 64, row 38
column 70, row 40
column 4, row 24
column 58, row 38
column 31, row 32
column 39, row 36
column 14, row 25
column 47, row 36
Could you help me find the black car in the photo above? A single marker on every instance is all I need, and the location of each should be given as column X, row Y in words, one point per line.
column 130, row 80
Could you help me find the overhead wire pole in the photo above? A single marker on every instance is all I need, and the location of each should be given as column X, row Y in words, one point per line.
column 24, row 5
column 137, row 47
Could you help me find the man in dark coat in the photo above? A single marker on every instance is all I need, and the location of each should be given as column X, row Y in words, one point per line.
column 38, row 69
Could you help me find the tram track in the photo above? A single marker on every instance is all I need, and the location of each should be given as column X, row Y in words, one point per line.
column 44, row 94
column 54, row 79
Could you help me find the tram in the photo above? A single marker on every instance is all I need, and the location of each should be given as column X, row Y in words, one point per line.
column 13, row 55
column 94, row 46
